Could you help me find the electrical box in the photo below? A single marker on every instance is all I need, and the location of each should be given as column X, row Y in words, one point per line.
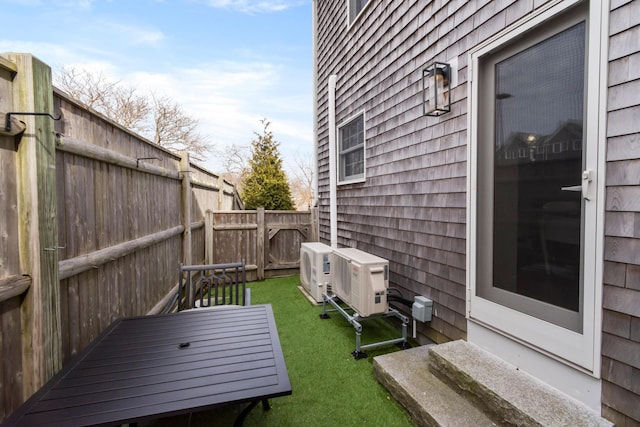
column 422, row 308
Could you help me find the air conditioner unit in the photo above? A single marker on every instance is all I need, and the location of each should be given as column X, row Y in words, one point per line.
column 315, row 271
column 360, row 280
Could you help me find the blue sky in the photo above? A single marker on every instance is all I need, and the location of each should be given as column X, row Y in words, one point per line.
column 228, row 63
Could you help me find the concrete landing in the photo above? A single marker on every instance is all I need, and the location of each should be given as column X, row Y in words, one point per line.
column 430, row 402
column 459, row 384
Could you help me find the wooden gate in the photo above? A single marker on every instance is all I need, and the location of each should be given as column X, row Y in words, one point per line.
column 268, row 241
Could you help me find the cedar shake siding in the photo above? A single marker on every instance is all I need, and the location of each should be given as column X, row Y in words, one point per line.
column 621, row 298
column 411, row 207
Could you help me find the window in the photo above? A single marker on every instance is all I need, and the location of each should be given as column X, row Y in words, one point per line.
column 355, row 7
column 351, row 150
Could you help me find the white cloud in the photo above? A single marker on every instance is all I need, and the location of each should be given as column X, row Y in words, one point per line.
column 58, row 56
column 134, row 34
column 26, row 2
column 254, row 6
column 84, row 4
column 42, row 51
column 75, row 4
column 229, row 99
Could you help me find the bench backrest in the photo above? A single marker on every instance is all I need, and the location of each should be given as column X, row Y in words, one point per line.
column 211, row 285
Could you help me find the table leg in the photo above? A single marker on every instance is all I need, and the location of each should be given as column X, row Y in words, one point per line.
column 240, row 420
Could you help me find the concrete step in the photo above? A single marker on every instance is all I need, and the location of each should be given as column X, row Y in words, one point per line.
column 459, row 384
column 510, row 395
column 430, row 402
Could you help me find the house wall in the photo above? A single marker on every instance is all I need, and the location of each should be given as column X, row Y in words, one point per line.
column 411, row 208
column 621, row 295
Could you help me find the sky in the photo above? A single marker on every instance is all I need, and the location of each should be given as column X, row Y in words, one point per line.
column 228, row 63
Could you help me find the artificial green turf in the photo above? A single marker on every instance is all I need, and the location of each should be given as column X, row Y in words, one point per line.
column 330, row 387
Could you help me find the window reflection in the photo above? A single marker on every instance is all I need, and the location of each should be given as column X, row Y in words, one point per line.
column 537, row 167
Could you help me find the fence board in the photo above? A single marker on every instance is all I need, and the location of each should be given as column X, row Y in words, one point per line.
column 120, row 230
column 11, row 283
column 10, row 348
column 38, row 232
column 10, row 264
column 286, row 232
column 268, row 241
column 261, row 256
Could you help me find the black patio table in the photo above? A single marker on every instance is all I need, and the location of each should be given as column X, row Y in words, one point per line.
column 149, row 367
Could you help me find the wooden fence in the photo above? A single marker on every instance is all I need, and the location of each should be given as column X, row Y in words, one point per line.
column 268, row 241
column 94, row 222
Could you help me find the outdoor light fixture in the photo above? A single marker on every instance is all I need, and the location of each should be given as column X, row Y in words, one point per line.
column 436, row 80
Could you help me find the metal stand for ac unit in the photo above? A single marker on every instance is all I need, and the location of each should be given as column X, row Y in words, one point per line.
column 354, row 321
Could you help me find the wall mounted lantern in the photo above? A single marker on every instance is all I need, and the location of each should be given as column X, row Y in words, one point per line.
column 436, row 80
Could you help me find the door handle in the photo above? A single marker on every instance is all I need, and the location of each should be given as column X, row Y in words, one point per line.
column 587, row 178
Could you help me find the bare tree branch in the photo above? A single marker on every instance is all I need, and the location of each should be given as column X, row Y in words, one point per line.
column 175, row 130
column 235, row 163
column 159, row 118
column 92, row 90
column 301, row 182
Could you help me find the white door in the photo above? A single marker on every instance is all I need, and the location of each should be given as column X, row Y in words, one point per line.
column 533, row 180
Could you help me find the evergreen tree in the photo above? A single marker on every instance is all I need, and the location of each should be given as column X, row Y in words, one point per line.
column 265, row 185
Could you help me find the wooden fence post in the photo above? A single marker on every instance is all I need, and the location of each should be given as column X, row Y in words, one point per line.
column 221, row 194
column 208, row 237
column 185, row 169
column 260, row 244
column 38, row 224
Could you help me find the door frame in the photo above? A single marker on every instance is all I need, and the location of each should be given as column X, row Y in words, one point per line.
column 577, row 351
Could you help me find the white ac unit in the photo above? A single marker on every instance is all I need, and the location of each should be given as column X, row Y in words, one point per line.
column 360, row 280
column 315, row 271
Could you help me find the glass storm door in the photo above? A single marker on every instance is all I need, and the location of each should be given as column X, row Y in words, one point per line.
column 535, row 217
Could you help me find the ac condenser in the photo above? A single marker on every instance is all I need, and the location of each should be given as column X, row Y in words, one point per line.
column 315, row 268
column 360, row 280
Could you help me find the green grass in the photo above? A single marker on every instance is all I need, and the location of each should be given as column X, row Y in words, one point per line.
column 330, row 387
